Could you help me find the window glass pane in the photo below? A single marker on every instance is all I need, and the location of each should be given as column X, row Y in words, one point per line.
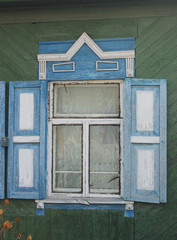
column 67, row 159
column 86, row 99
column 104, row 159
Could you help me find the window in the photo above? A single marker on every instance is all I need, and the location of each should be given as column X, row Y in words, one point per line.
column 85, row 132
column 106, row 138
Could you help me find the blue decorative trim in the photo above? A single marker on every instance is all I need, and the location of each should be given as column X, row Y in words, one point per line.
column 82, row 206
column 127, row 213
column 27, row 191
column 86, row 59
column 2, row 135
column 85, row 62
column 43, row 139
column 130, row 156
column 40, row 212
column 64, row 67
column 113, row 44
column 10, row 163
column 163, row 140
column 127, row 146
column 39, row 189
column 145, row 195
column 107, row 65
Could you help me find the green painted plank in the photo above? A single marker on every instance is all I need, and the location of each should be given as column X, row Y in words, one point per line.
column 47, row 225
column 95, row 28
column 155, row 65
column 104, row 225
column 150, row 221
column 167, row 39
column 85, row 224
column 108, row 11
column 96, row 228
column 53, row 223
column 18, row 50
column 144, row 23
column 113, row 223
column 155, row 31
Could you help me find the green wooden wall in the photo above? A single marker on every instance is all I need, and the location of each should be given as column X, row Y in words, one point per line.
column 155, row 29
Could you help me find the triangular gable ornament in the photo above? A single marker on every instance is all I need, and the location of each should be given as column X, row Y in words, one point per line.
column 129, row 55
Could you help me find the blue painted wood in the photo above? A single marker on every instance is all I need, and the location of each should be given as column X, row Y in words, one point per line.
column 163, row 141
column 10, row 161
column 82, row 206
column 127, row 145
column 43, row 139
column 129, row 213
column 40, row 212
column 85, row 68
column 130, row 153
column 2, row 134
column 85, row 59
column 39, row 165
column 107, row 65
column 63, row 67
column 113, row 44
column 153, row 195
column 28, row 192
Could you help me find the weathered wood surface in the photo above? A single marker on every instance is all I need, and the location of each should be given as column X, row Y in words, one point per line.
column 115, row 10
column 156, row 57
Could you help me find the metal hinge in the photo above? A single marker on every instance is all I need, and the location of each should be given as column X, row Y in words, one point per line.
column 4, row 141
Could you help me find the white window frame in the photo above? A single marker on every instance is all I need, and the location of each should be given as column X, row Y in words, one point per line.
column 85, row 122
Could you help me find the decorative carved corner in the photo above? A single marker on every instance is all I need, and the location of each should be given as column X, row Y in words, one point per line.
column 42, row 70
column 40, row 205
column 129, row 67
column 129, row 207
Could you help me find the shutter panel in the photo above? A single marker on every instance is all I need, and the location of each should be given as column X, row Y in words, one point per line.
column 26, row 177
column 145, row 140
column 2, row 135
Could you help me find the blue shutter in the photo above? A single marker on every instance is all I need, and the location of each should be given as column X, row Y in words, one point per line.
column 26, row 169
column 145, row 140
column 2, row 135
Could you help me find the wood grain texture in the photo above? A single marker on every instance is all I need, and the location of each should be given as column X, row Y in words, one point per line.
column 156, row 57
column 115, row 10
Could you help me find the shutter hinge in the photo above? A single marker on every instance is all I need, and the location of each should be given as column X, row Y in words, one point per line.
column 4, row 141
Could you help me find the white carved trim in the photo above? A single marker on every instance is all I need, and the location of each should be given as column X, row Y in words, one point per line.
column 130, row 66
column 40, row 204
column 146, row 139
column 129, row 206
column 61, row 64
column 85, row 39
column 26, row 139
column 42, row 70
column 107, row 69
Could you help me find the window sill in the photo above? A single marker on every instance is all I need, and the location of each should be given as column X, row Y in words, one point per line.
column 86, row 203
